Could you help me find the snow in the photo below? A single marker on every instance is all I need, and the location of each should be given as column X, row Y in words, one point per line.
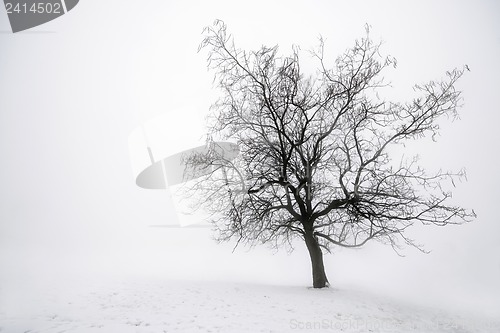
column 143, row 305
column 160, row 280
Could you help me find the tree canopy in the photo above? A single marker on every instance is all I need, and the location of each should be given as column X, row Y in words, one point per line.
column 314, row 158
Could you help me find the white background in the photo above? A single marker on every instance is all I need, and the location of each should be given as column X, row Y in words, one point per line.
column 73, row 90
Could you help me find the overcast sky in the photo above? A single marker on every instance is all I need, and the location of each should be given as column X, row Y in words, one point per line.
column 73, row 91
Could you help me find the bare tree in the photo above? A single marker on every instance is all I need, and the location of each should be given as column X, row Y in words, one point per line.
column 314, row 150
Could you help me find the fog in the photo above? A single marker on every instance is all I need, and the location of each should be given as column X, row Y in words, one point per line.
column 73, row 91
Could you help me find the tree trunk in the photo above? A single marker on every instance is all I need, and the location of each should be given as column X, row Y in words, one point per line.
column 318, row 269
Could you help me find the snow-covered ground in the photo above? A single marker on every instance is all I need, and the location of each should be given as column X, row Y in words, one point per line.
column 177, row 280
column 157, row 305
